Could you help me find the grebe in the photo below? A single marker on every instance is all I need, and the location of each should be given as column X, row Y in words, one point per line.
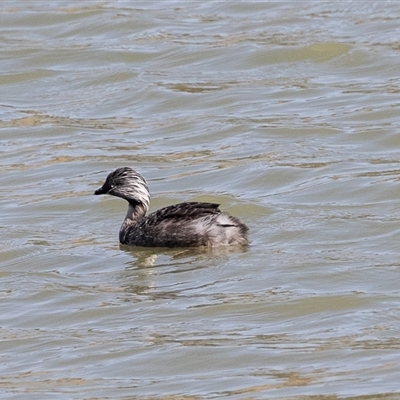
column 188, row 224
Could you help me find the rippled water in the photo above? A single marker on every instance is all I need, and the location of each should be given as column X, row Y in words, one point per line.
column 285, row 113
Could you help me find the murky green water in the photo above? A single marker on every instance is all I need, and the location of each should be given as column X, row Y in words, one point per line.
column 288, row 114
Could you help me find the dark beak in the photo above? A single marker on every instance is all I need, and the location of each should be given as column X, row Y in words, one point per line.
column 102, row 190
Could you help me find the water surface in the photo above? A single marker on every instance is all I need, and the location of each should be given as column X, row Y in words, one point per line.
column 287, row 114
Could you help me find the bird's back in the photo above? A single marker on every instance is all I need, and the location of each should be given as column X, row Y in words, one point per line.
column 186, row 225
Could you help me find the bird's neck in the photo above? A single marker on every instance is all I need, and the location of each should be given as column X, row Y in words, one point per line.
column 136, row 212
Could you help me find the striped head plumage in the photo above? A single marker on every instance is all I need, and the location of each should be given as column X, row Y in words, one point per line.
column 126, row 183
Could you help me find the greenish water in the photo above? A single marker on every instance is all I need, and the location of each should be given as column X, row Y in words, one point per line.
column 287, row 114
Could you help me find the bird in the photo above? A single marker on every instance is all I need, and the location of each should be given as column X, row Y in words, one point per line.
column 187, row 224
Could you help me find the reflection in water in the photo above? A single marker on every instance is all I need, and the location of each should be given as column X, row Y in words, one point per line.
column 141, row 274
column 147, row 256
